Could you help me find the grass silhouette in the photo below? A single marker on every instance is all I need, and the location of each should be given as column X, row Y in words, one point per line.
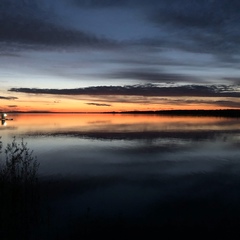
column 20, row 165
column 18, row 191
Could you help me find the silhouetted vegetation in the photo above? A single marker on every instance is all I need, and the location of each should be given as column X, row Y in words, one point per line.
column 20, row 166
column 233, row 113
column 230, row 113
column 19, row 196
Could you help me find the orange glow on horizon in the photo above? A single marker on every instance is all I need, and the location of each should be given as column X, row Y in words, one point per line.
column 49, row 103
column 82, row 107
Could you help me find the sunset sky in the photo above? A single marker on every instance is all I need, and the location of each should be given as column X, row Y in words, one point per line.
column 109, row 55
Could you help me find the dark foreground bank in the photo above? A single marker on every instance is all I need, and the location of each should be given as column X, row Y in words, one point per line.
column 54, row 209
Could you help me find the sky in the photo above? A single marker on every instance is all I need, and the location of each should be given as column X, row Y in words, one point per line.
column 128, row 55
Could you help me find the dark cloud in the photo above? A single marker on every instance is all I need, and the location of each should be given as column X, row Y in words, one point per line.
column 39, row 32
column 152, row 76
column 27, row 22
column 219, row 103
column 198, row 26
column 114, row 3
column 202, row 14
column 141, row 90
column 99, row 3
column 99, row 104
column 202, row 26
column 28, row 8
column 8, row 98
column 188, row 14
column 226, row 103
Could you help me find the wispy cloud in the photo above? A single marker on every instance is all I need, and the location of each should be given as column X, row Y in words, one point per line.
column 11, row 106
column 230, row 103
column 8, row 98
column 99, row 104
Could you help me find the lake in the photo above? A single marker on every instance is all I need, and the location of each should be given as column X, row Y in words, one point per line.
column 133, row 171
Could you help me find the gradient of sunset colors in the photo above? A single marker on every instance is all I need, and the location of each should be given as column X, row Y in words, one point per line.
column 131, row 55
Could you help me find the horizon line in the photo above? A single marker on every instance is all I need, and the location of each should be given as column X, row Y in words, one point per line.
column 170, row 111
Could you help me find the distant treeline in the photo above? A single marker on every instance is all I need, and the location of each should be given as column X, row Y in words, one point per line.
column 233, row 113
column 214, row 113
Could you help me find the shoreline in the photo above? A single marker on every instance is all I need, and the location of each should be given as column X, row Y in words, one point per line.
column 234, row 113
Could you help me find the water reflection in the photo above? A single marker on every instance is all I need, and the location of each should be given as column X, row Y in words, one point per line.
column 97, row 138
column 4, row 119
column 51, row 123
column 4, row 123
column 87, row 141
column 141, row 171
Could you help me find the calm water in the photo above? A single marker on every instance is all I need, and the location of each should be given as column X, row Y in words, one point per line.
column 142, row 169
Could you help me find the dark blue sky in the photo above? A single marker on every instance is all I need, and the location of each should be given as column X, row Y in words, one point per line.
column 188, row 49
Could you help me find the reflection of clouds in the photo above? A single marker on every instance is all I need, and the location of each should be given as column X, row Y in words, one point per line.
column 167, row 135
column 4, row 123
column 8, row 128
column 125, row 127
column 102, row 171
column 99, row 104
column 117, row 144
column 99, row 122
column 134, row 157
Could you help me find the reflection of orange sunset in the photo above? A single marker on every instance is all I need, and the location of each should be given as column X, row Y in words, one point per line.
column 116, row 123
